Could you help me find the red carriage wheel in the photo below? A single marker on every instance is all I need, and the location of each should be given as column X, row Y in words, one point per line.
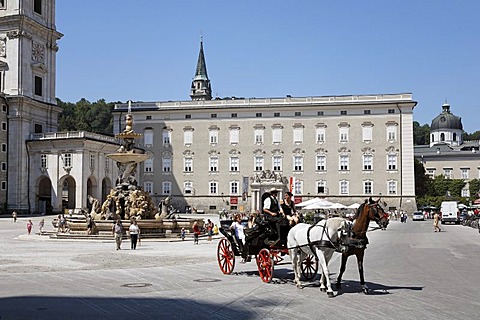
column 309, row 267
column 276, row 256
column 225, row 256
column 265, row 265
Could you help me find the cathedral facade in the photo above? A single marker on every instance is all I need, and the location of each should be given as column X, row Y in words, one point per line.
column 42, row 170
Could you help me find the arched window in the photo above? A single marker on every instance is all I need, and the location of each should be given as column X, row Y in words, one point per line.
column 454, row 136
column 433, row 138
column 442, row 136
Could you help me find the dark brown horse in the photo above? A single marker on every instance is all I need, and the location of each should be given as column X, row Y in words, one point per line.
column 370, row 210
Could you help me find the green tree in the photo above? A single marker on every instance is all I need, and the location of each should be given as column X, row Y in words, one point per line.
column 422, row 181
column 86, row 116
column 441, row 189
column 66, row 120
column 472, row 136
column 474, row 187
column 449, row 188
column 421, row 134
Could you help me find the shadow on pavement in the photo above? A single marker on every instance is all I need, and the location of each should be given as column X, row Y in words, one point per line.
column 72, row 308
column 374, row 288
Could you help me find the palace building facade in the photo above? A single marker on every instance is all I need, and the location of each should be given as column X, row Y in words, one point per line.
column 448, row 154
column 220, row 154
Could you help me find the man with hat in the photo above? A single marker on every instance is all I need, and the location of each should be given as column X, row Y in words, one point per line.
column 273, row 214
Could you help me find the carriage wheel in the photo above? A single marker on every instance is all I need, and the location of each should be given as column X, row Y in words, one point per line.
column 265, row 265
column 276, row 256
column 309, row 267
column 225, row 256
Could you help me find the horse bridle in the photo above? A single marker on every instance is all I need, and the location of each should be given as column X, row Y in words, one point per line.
column 376, row 214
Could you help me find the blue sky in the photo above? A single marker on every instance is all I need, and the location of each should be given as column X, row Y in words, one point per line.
column 147, row 50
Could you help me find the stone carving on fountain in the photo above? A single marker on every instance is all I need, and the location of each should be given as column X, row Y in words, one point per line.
column 167, row 211
column 126, row 200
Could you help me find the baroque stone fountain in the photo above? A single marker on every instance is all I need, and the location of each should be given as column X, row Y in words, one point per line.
column 127, row 201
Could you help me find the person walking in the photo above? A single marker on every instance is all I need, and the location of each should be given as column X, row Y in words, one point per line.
column 436, row 218
column 61, row 223
column 196, row 232
column 89, row 224
column 134, row 232
column 29, row 226
column 209, row 228
column 41, row 225
column 14, row 216
column 182, row 234
column 117, row 231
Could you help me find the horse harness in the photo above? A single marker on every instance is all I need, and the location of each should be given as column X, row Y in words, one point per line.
column 342, row 245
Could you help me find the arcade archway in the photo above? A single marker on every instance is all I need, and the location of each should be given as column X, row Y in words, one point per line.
column 44, row 204
column 106, row 187
column 69, row 187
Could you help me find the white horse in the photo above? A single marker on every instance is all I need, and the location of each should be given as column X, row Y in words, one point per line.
column 305, row 239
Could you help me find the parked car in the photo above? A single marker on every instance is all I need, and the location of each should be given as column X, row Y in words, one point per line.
column 418, row 215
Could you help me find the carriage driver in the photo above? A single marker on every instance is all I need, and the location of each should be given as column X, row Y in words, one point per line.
column 273, row 214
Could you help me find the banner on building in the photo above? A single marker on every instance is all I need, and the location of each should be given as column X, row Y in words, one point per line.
column 245, row 189
column 291, row 185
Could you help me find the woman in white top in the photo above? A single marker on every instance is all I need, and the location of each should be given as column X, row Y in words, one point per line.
column 134, row 232
column 238, row 228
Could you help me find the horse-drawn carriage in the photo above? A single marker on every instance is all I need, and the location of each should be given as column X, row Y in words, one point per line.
column 308, row 246
column 258, row 243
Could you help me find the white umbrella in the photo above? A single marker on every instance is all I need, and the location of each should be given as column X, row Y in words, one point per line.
column 354, row 206
column 311, row 201
column 337, row 205
column 319, row 205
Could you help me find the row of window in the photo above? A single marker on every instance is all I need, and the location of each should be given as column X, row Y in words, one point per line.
column 276, row 134
column 67, row 161
column 277, row 163
column 278, row 114
column 448, row 173
column 213, row 187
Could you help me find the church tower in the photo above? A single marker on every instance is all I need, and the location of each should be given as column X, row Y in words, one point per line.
column 201, row 89
column 28, row 48
column 446, row 128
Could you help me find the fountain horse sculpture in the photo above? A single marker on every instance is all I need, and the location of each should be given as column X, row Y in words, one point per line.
column 334, row 234
column 369, row 210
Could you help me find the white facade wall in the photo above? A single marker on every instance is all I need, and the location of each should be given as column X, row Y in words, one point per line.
column 80, row 145
column 376, row 112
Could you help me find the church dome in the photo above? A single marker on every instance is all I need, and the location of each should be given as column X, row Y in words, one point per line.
column 446, row 120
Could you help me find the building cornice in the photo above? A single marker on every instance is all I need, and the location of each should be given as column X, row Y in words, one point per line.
column 287, row 102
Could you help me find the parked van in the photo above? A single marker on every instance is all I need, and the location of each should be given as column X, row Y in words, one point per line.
column 449, row 212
